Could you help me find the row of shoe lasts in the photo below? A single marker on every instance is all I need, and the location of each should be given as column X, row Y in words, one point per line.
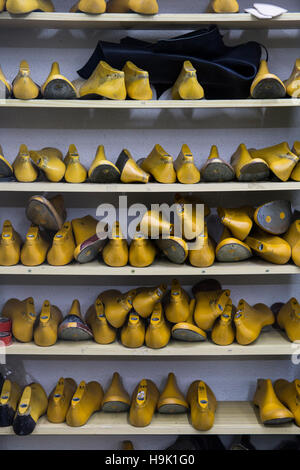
column 246, row 231
column 267, row 231
column 152, row 316
column 91, row 237
column 115, row 84
column 62, row 248
column 55, row 167
column 105, row 82
column 134, row 83
column 95, row 7
column 76, row 404
column 277, row 161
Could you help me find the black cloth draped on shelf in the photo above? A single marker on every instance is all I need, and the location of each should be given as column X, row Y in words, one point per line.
column 224, row 72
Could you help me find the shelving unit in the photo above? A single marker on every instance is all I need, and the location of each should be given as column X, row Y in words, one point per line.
column 202, row 187
column 134, row 21
column 271, row 343
column 151, row 104
column 231, row 418
column 159, row 268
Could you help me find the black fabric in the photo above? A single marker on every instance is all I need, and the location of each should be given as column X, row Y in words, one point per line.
column 224, row 72
column 243, row 443
column 197, row 443
column 204, row 43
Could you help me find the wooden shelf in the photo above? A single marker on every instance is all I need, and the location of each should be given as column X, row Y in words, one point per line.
column 160, row 268
column 155, row 104
column 170, row 21
column 38, row 187
column 270, row 343
column 231, row 418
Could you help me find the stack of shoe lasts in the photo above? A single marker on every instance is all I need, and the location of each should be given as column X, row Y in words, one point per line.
column 277, row 161
column 224, row 72
column 211, row 313
column 272, row 220
column 188, row 232
column 279, row 403
column 180, row 313
column 237, row 224
column 50, row 237
column 266, row 231
column 138, row 314
column 47, row 327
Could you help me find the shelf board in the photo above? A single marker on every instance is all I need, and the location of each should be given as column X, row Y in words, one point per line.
column 270, row 343
column 170, row 21
column 159, row 268
column 231, row 418
column 155, row 104
column 233, row 186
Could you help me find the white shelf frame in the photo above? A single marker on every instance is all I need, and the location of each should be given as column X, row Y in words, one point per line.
column 151, row 104
column 170, row 21
column 232, row 186
column 231, row 418
column 159, row 268
column 270, row 343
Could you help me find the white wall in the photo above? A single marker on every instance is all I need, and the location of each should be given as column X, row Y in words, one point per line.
column 231, row 379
